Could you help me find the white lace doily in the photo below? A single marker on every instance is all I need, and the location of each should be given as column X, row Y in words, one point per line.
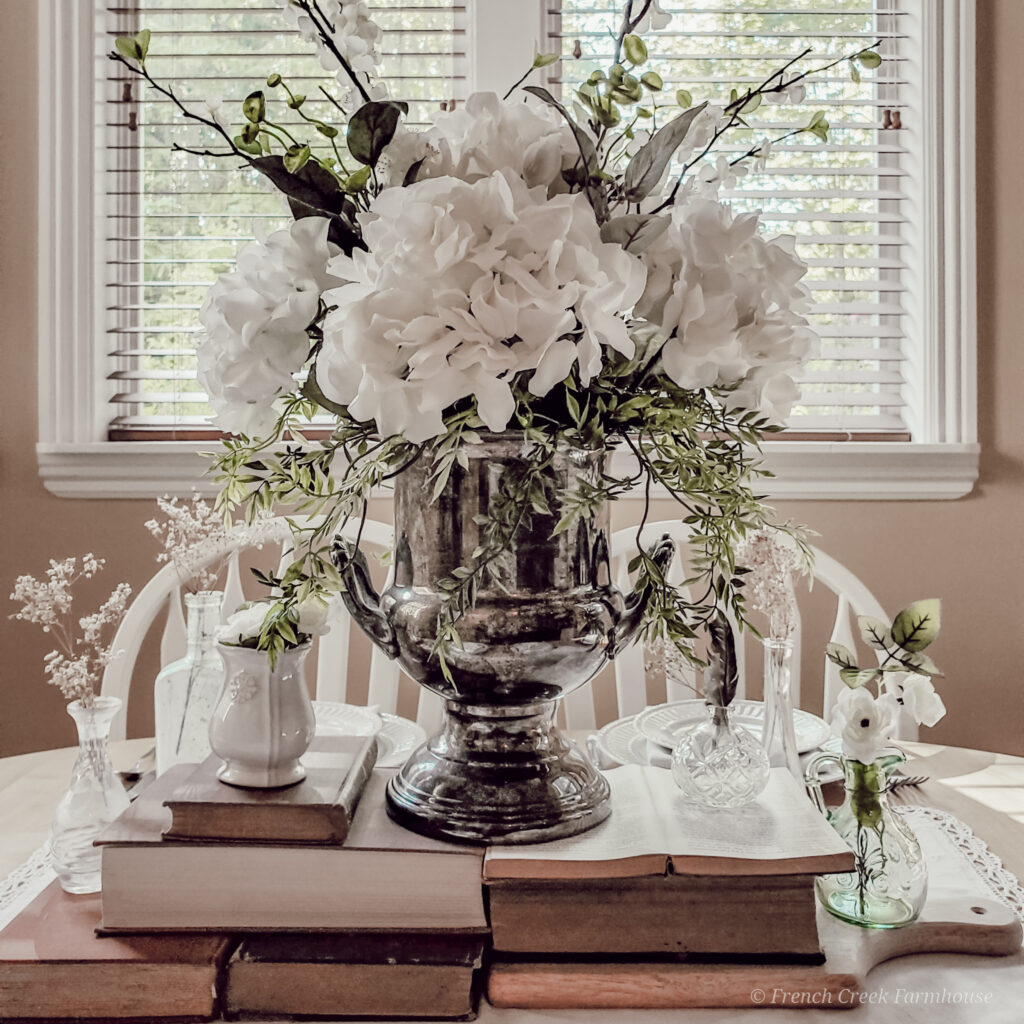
column 25, row 883
column 1001, row 883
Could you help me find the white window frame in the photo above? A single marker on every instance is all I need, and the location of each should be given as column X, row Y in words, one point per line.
column 76, row 460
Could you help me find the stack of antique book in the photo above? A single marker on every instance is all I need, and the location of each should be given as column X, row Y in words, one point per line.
column 663, row 904
column 310, row 901
column 306, row 901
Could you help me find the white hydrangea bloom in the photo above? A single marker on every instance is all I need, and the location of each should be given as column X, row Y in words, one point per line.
column 487, row 134
column 465, row 285
column 864, row 723
column 255, row 321
column 731, row 303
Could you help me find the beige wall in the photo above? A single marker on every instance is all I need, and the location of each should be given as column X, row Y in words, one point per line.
column 969, row 552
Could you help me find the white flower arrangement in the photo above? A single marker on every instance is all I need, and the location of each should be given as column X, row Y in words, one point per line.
column 76, row 666
column 866, row 721
column 565, row 271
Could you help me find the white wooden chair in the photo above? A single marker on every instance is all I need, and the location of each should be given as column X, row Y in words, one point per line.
column 162, row 595
column 631, row 684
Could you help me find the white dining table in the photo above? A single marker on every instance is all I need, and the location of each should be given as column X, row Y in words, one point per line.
column 985, row 790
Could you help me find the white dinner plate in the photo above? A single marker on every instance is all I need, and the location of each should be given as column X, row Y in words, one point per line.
column 397, row 737
column 664, row 724
column 621, row 742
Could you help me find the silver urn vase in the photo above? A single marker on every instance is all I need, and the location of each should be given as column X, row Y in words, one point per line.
column 499, row 771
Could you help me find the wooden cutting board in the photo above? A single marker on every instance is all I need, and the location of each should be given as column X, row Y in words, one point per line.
column 960, row 916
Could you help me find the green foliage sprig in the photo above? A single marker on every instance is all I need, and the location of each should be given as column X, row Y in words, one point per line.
column 903, row 643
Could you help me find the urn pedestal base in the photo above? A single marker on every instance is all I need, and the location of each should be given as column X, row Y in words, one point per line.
column 499, row 775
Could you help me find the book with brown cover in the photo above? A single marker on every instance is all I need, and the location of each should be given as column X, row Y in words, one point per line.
column 383, row 877
column 432, row 976
column 664, row 876
column 659, row 914
column 53, row 966
column 319, row 809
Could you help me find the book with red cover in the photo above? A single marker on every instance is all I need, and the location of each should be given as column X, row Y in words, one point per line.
column 53, row 966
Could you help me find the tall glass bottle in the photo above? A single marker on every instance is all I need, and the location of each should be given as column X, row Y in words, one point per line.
column 186, row 691
column 779, row 732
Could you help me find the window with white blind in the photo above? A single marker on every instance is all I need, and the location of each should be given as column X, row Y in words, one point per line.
column 844, row 201
column 878, row 211
column 175, row 220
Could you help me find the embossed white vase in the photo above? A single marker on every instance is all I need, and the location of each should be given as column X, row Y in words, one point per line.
column 264, row 721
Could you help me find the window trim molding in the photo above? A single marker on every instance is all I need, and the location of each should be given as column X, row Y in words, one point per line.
column 76, row 461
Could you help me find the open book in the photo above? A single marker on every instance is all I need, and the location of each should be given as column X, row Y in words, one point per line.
column 655, row 830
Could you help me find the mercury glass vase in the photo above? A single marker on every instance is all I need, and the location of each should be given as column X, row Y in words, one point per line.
column 93, row 799
column 779, row 733
column 187, row 690
column 889, row 884
column 719, row 764
column 545, row 621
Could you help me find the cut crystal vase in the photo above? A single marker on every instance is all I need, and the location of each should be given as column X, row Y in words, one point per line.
column 718, row 763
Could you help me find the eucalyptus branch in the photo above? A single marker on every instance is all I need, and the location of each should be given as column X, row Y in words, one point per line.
column 629, row 24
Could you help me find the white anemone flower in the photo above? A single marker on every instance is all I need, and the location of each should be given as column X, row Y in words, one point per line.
column 245, row 624
column 464, row 287
column 864, row 723
column 918, row 696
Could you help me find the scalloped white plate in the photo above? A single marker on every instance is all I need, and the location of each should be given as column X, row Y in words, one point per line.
column 621, row 742
column 397, row 737
column 664, row 724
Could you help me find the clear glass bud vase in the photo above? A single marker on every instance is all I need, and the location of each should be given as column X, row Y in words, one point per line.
column 889, row 884
column 779, row 733
column 719, row 764
column 187, row 690
column 94, row 798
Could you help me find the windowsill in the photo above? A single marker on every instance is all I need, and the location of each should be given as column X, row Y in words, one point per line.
column 805, row 470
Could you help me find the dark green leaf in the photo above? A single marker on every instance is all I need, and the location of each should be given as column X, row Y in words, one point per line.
column 635, row 48
column 869, row 59
column 841, row 656
column 372, row 127
column 855, row 678
column 918, row 625
column 649, row 163
column 653, row 81
column 254, row 106
column 296, row 158
column 723, row 671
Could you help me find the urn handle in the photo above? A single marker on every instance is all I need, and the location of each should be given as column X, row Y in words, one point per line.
column 361, row 598
column 636, row 602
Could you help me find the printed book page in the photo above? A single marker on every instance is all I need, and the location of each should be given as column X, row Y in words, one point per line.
column 651, row 816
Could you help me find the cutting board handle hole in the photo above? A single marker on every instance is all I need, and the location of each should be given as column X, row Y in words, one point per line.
column 978, row 910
